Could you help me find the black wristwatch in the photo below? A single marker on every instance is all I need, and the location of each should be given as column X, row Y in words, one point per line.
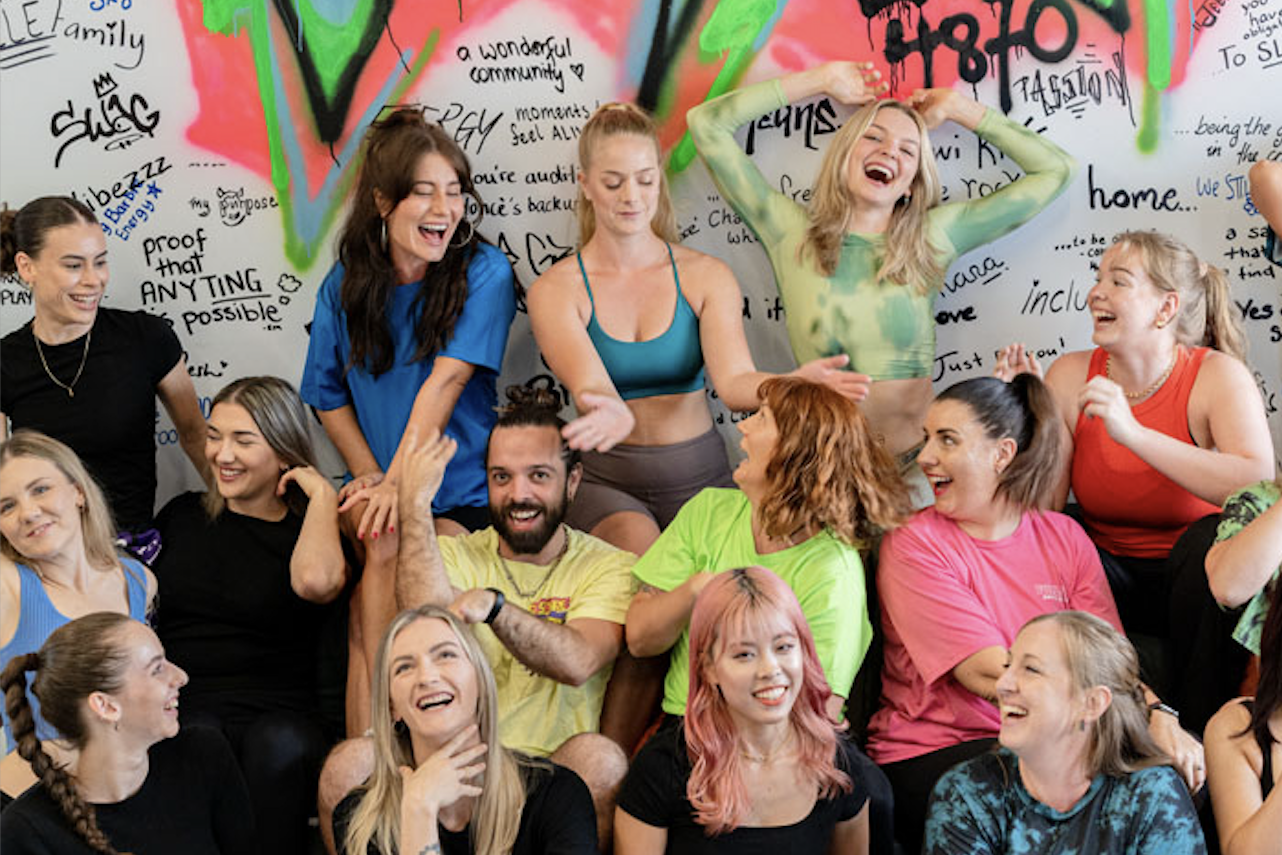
column 499, row 600
column 1164, row 708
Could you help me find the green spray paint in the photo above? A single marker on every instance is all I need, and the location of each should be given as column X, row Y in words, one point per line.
column 1157, row 46
column 733, row 29
column 336, row 48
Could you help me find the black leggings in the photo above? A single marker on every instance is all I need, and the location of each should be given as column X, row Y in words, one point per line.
column 280, row 755
column 914, row 779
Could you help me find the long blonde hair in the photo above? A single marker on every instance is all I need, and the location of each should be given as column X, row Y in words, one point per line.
column 497, row 816
column 610, row 120
column 908, row 257
column 1207, row 316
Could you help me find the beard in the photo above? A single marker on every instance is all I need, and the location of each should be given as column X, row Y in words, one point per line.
column 531, row 541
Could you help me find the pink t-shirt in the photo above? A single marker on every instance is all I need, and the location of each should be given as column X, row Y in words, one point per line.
column 946, row 595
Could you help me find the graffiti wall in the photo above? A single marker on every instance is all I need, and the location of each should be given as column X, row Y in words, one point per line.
column 217, row 141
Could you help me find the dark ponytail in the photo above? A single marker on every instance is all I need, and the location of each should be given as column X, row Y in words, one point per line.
column 77, row 659
column 1025, row 411
column 25, row 230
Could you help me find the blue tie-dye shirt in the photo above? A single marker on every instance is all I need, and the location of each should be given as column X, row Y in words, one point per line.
column 982, row 808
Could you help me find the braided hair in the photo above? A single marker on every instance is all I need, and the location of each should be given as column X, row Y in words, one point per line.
column 77, row 659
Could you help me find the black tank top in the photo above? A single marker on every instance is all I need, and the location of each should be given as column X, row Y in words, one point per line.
column 1266, row 768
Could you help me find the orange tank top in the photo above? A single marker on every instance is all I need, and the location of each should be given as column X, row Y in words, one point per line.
column 1130, row 508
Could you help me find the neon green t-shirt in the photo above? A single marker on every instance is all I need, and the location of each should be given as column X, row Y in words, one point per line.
column 713, row 532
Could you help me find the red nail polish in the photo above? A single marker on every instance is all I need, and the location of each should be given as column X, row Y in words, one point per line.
column 376, row 535
column 391, row 529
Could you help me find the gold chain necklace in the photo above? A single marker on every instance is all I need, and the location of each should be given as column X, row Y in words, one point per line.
column 71, row 388
column 767, row 758
column 1157, row 384
column 529, row 596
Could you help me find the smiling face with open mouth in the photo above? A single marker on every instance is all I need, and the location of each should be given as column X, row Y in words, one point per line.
column 67, row 277
column 421, row 225
column 758, row 668
column 529, row 488
column 960, row 461
column 148, row 696
column 1124, row 302
column 433, row 685
column 40, row 509
column 884, row 161
column 1041, row 708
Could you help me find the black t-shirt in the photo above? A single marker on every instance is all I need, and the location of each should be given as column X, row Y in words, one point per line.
column 111, row 420
column 558, row 818
column 193, row 802
column 655, row 793
column 227, row 612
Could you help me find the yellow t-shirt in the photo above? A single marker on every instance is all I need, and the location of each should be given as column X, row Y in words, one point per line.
column 592, row 580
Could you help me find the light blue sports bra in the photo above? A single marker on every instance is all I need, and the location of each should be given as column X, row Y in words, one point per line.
column 669, row 364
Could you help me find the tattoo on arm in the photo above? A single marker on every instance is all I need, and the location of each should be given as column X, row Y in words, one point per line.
column 430, row 848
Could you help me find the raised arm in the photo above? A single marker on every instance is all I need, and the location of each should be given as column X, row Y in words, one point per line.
column 420, row 573
column 713, row 124
column 317, row 568
column 560, row 329
column 1048, row 170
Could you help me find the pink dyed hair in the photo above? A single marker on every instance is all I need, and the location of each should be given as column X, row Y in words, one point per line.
column 733, row 600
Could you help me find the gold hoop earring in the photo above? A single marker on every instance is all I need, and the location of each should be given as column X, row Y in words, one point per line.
column 471, row 230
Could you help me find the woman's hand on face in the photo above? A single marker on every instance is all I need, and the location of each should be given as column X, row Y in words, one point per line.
column 445, row 777
column 828, row 372
column 606, row 424
column 311, row 482
column 853, row 83
column 1013, row 360
column 1103, row 399
column 1186, row 753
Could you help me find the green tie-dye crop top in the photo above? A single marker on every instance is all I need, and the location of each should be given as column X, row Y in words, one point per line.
column 887, row 329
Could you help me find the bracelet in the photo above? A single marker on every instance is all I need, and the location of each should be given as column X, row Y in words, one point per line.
column 1164, row 708
column 499, row 600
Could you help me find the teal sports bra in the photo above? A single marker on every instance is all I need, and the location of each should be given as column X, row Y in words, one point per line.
column 669, row 364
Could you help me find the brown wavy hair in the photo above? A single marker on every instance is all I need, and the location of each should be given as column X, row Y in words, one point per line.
column 827, row 469
column 76, row 660
column 621, row 118
column 391, row 151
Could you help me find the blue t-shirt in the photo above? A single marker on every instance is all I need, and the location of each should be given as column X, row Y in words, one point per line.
column 981, row 807
column 383, row 403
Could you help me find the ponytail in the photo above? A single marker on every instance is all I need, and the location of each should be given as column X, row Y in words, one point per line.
column 1207, row 317
column 76, row 660
column 1223, row 323
column 1025, row 411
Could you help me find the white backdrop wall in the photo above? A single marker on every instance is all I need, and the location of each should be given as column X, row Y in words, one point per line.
column 216, row 140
